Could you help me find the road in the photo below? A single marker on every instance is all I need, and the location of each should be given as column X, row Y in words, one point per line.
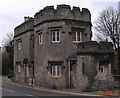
column 10, row 89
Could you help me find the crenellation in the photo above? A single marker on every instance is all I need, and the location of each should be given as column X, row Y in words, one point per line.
column 41, row 12
column 49, row 8
column 95, row 47
column 63, row 6
column 59, row 38
column 76, row 8
column 106, row 45
column 62, row 12
column 85, row 10
column 25, row 26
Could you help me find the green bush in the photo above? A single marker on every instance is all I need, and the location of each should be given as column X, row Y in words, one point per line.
column 54, row 87
column 116, row 78
column 88, row 89
column 10, row 75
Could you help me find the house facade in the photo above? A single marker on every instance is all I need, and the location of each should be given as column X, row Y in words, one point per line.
column 54, row 49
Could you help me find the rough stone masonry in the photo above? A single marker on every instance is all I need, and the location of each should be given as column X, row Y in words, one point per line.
column 54, row 49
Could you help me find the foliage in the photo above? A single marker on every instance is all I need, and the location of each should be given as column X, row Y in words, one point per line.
column 116, row 78
column 5, row 63
column 54, row 87
column 88, row 89
column 7, row 56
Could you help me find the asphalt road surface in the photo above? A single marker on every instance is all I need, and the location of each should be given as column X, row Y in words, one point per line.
column 15, row 91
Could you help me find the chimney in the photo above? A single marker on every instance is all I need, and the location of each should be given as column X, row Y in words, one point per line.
column 26, row 18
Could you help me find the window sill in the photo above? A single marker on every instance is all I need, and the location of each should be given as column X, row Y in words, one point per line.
column 55, row 76
column 55, row 41
column 40, row 43
column 77, row 42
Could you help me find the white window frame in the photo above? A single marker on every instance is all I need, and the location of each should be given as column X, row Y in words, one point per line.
column 55, row 36
column 19, row 68
column 19, row 45
column 100, row 69
column 56, row 71
column 40, row 38
column 76, row 37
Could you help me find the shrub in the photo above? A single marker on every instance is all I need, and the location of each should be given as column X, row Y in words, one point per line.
column 54, row 87
column 88, row 89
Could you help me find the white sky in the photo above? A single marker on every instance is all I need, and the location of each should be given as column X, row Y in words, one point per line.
column 12, row 12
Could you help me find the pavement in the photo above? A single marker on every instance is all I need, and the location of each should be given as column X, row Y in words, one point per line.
column 72, row 91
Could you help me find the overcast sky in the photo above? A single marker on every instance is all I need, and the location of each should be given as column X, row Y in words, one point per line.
column 12, row 12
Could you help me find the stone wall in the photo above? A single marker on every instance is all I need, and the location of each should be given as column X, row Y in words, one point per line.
column 62, row 51
column 66, row 20
column 94, row 53
column 62, row 12
column 20, row 55
column 24, row 27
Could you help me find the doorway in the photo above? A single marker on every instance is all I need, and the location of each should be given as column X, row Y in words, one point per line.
column 72, row 70
column 26, row 73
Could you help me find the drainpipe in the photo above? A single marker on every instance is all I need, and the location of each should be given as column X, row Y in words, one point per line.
column 69, row 73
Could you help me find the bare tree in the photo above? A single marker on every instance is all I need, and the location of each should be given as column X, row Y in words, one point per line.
column 8, row 41
column 102, row 38
column 108, row 24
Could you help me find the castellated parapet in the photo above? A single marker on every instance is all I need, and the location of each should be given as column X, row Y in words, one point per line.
column 62, row 12
column 93, row 47
column 24, row 27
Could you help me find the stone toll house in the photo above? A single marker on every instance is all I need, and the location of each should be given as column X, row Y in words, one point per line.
column 54, row 49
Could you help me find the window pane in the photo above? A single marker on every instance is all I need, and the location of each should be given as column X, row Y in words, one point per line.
column 40, row 38
column 58, row 70
column 83, row 68
column 58, row 73
column 53, row 36
column 58, row 35
column 54, row 72
column 53, row 67
column 58, row 39
column 58, row 67
column 19, row 45
column 27, row 72
column 101, row 68
column 53, row 33
column 19, row 68
column 78, row 36
column 74, row 36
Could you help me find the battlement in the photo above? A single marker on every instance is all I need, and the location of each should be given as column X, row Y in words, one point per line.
column 62, row 12
column 25, row 26
column 93, row 47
